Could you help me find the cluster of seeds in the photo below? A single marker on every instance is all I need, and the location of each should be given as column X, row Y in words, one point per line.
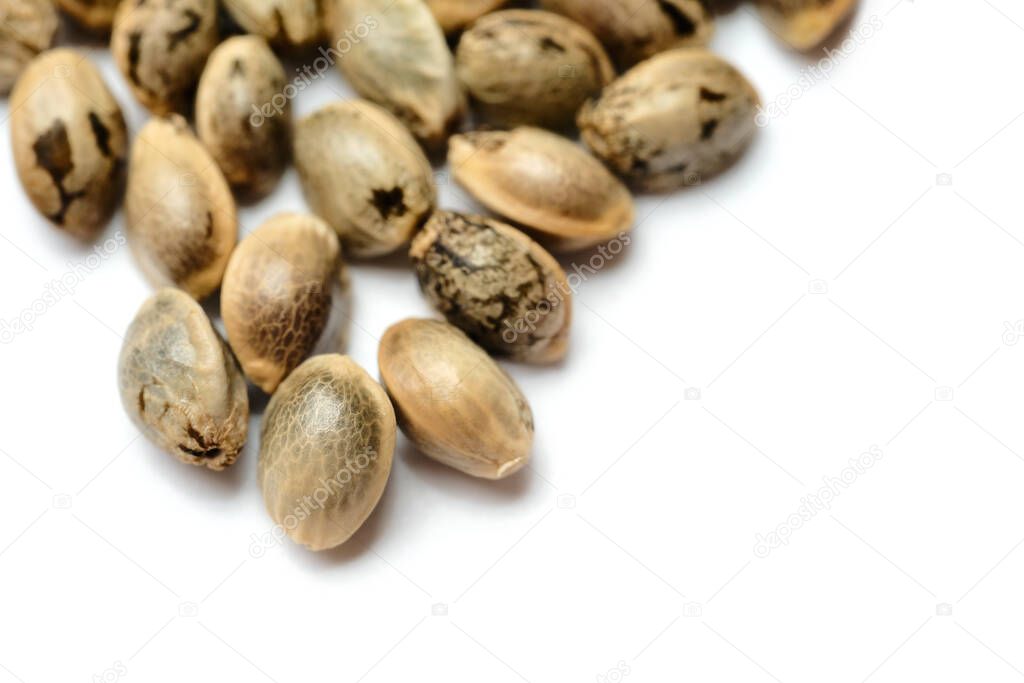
column 501, row 92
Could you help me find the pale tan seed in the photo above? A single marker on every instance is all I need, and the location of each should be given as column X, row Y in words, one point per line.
column 453, row 402
column 282, row 298
column 674, row 120
column 805, row 24
column 179, row 213
column 69, row 141
column 288, row 23
column 96, row 15
column 326, row 447
column 544, row 182
column 496, row 284
column 180, row 384
column 237, row 87
column 528, row 67
column 455, row 15
column 364, row 174
column 27, row 28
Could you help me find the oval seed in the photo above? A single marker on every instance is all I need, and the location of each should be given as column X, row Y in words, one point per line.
column 277, row 296
column 69, row 141
column 530, row 67
column 453, row 402
column 249, row 140
column 495, row 284
column 289, row 23
column 805, row 24
column 179, row 213
column 97, row 15
column 161, row 47
column 454, row 15
column 544, row 182
column 634, row 31
column 673, row 120
column 365, row 175
column 180, row 384
column 396, row 56
column 328, row 437
column 27, row 28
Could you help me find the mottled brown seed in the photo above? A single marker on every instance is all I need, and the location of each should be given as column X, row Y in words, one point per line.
column 544, row 182
column 805, row 24
column 179, row 212
column 288, row 23
column 454, row 15
column 27, row 28
column 160, row 46
column 634, row 30
column 250, row 140
column 528, row 67
column 676, row 119
column 180, row 384
column 326, row 446
column 97, row 15
column 396, row 55
column 282, row 285
column 364, row 174
column 495, row 284
column 69, row 141
column 453, row 402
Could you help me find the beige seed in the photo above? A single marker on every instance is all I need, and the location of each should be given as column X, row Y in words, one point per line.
column 288, row 23
column 634, row 30
column 495, row 284
column 160, row 46
column 364, row 174
column 397, row 57
column 805, row 24
column 676, row 119
column 453, row 402
column 528, row 67
column 180, row 384
column 454, row 15
column 544, row 182
column 326, row 446
column 97, row 15
column 238, row 85
column 27, row 28
column 69, row 141
column 179, row 212
column 281, row 286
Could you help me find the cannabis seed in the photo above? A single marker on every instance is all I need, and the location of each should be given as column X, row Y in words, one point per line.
column 454, row 15
column 805, row 24
column 288, row 23
column 97, row 15
column 27, row 28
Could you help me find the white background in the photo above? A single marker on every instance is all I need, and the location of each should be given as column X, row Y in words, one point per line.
column 827, row 295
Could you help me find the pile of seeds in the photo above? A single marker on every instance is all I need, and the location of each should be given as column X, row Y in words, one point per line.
column 502, row 92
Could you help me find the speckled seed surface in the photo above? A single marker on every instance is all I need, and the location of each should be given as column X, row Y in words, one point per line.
column 496, row 284
column 805, row 24
column 290, row 23
column 454, row 15
column 179, row 213
column 326, row 446
column 277, row 296
column 27, row 28
column 236, row 119
column 544, row 182
column 453, row 401
column 364, row 174
column 69, row 141
column 93, row 14
column 160, row 46
column 528, row 67
column 633, row 31
column 676, row 119
column 180, row 384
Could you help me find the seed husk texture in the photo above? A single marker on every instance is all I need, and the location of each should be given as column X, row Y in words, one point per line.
column 179, row 212
column 326, row 447
column 634, row 30
column 288, row 23
column 529, row 67
column 277, row 296
column 69, row 141
column 160, row 46
column 97, row 15
column 250, row 141
column 454, row 15
column 544, row 182
column 180, row 384
column 397, row 57
column 453, row 401
column 495, row 284
column 364, row 174
column 673, row 120
column 805, row 24
column 27, row 28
